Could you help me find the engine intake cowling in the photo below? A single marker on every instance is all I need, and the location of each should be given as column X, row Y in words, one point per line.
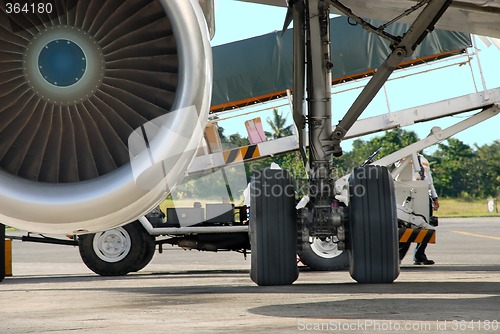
column 77, row 78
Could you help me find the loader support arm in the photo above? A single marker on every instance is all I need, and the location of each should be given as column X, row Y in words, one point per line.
column 416, row 33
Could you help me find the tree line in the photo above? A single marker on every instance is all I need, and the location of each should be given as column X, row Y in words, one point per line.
column 458, row 170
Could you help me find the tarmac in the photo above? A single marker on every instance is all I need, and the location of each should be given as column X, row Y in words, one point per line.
column 52, row 291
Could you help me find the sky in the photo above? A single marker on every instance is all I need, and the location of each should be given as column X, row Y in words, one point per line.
column 237, row 20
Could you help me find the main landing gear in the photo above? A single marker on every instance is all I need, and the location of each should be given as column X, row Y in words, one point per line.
column 358, row 215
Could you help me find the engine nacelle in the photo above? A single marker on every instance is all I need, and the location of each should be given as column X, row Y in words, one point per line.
column 77, row 78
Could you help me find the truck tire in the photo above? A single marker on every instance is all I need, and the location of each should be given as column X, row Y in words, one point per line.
column 150, row 245
column 372, row 227
column 273, row 228
column 118, row 251
column 323, row 255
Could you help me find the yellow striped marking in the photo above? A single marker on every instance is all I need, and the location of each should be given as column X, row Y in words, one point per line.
column 417, row 235
column 406, row 235
column 477, row 235
column 241, row 154
column 433, row 239
column 420, row 237
column 8, row 257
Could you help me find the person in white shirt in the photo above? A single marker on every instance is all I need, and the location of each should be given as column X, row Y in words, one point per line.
column 419, row 257
column 425, row 174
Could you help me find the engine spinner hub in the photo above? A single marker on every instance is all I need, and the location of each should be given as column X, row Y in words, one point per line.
column 64, row 65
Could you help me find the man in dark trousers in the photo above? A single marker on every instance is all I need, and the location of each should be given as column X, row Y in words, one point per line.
column 419, row 257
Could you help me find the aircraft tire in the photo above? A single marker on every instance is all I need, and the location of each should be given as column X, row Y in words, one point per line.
column 323, row 256
column 118, row 251
column 273, row 228
column 372, row 226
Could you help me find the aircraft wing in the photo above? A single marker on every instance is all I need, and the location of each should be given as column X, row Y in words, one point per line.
column 480, row 17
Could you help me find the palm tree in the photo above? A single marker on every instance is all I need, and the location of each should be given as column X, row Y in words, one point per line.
column 277, row 124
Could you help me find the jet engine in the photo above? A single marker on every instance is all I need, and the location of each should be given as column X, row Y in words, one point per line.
column 77, row 79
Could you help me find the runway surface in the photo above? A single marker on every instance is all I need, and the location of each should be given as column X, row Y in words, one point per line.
column 199, row 292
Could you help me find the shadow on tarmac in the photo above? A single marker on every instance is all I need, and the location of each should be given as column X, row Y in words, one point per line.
column 31, row 279
column 402, row 300
column 418, row 308
column 338, row 288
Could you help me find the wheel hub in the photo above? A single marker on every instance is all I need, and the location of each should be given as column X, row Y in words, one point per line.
column 325, row 248
column 113, row 245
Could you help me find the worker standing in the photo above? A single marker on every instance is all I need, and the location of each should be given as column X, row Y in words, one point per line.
column 419, row 257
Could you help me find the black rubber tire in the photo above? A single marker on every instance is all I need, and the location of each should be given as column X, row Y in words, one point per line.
column 373, row 227
column 150, row 245
column 273, row 228
column 315, row 261
column 130, row 261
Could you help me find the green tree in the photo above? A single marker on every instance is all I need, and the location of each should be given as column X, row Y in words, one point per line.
column 233, row 141
column 222, row 136
column 453, row 166
column 236, row 140
column 390, row 142
column 487, row 169
column 277, row 124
